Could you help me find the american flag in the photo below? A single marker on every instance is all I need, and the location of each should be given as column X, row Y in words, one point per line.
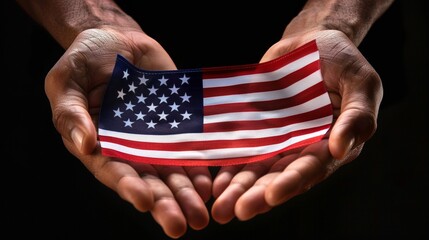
column 215, row 116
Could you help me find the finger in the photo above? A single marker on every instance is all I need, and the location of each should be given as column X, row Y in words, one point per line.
column 166, row 211
column 223, row 209
column 282, row 47
column 253, row 202
column 145, row 191
column 223, row 178
column 308, row 170
column 352, row 128
column 202, row 180
column 151, row 55
column 193, row 207
column 64, row 89
column 361, row 91
column 118, row 176
column 70, row 114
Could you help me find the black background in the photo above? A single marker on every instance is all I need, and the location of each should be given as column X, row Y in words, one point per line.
column 48, row 194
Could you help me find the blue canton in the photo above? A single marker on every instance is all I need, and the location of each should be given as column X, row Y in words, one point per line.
column 153, row 102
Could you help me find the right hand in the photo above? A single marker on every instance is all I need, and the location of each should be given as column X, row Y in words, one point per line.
column 355, row 90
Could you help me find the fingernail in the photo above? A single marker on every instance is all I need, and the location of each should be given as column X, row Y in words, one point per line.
column 77, row 137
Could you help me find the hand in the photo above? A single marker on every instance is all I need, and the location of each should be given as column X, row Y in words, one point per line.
column 175, row 196
column 355, row 90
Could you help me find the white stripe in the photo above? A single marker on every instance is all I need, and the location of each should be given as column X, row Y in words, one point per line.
column 233, row 135
column 262, row 77
column 213, row 153
column 290, row 91
column 310, row 105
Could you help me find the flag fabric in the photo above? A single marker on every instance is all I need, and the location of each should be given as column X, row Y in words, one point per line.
column 215, row 116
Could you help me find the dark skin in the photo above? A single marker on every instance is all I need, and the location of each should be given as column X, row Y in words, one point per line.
column 256, row 188
column 93, row 32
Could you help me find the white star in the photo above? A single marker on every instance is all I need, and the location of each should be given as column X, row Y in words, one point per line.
column 184, row 79
column 118, row 113
column 174, row 124
column 125, row 74
column 140, row 115
column 132, row 88
column 163, row 81
column 174, row 107
column 162, row 116
column 143, row 80
column 130, row 106
column 128, row 123
column 151, row 124
column 121, row 94
column 186, row 115
column 185, row 98
column 152, row 107
column 174, row 89
column 153, row 90
column 163, row 99
column 141, row 98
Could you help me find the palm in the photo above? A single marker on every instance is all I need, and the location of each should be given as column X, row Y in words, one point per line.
column 355, row 92
column 174, row 195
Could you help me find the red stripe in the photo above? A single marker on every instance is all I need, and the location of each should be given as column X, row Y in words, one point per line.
column 232, row 71
column 267, row 123
column 208, row 162
column 302, row 97
column 282, row 83
column 207, row 145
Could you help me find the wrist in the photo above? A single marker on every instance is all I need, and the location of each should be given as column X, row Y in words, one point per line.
column 353, row 18
column 96, row 15
column 64, row 19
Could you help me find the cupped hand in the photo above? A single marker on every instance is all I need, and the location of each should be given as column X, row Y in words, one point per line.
column 75, row 85
column 355, row 90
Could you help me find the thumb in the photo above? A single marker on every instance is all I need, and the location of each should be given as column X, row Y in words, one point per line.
column 352, row 128
column 70, row 114
column 357, row 121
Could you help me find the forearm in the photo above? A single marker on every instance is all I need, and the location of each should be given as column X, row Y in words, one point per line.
column 65, row 19
column 353, row 17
